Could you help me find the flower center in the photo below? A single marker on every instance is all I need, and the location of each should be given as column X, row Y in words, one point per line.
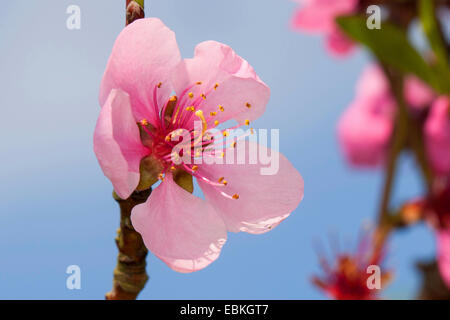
column 175, row 122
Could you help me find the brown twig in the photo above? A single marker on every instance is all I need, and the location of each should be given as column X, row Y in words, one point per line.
column 130, row 274
column 398, row 144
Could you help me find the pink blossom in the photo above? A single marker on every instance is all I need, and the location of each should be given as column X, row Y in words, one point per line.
column 139, row 114
column 437, row 136
column 318, row 16
column 417, row 94
column 346, row 276
column 365, row 128
column 436, row 208
column 443, row 254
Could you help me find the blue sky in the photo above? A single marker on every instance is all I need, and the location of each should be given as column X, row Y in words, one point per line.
column 56, row 207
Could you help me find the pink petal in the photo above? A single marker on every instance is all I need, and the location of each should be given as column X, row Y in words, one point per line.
column 181, row 229
column 264, row 200
column 338, row 44
column 443, row 255
column 319, row 15
column 226, row 79
column 143, row 55
column 372, row 82
column 242, row 99
column 364, row 135
column 365, row 128
column 417, row 94
column 117, row 144
column 437, row 136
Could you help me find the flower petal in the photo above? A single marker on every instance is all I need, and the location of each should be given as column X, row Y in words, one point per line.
column 241, row 98
column 181, row 229
column 264, row 200
column 338, row 44
column 372, row 83
column 437, row 136
column 226, row 79
column 143, row 55
column 117, row 143
column 364, row 135
column 443, row 255
column 417, row 93
column 319, row 15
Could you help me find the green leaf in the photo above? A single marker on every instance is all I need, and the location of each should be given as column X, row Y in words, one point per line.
column 431, row 29
column 184, row 180
column 390, row 45
column 140, row 2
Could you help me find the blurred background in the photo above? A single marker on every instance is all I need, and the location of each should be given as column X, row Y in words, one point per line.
column 56, row 207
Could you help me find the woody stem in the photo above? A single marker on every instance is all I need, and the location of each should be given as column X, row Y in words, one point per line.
column 398, row 143
column 130, row 274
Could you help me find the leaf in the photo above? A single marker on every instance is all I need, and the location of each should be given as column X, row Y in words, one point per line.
column 184, row 180
column 140, row 2
column 390, row 45
column 431, row 29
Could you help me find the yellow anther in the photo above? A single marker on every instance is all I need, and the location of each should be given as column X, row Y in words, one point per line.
column 159, row 85
column 212, row 113
column 190, row 95
column 198, row 83
column 191, row 108
column 161, row 177
column 216, row 123
column 194, row 168
column 222, row 154
column 199, row 113
column 221, row 108
column 247, row 122
column 252, row 131
column 216, row 86
column 168, row 137
column 235, row 196
column 173, row 98
column 221, row 179
column 144, row 122
column 233, row 144
column 248, row 105
column 173, row 168
column 224, row 182
column 203, row 96
column 225, row 133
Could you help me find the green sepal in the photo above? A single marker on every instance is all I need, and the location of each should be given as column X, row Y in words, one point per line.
column 150, row 168
column 184, row 180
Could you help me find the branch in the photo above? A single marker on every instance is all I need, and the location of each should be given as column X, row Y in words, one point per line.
column 398, row 144
column 130, row 275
